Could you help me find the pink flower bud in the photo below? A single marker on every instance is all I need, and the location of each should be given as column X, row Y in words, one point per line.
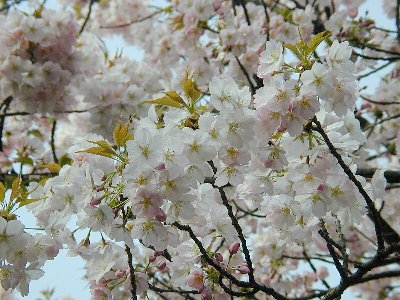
column 160, row 167
column 321, row 187
column 158, row 253
column 161, row 216
column 104, row 178
column 366, row 105
column 281, row 128
column 152, row 258
column 119, row 274
column 244, row 269
column 99, row 188
column 206, row 293
column 52, row 251
column 161, row 266
column 218, row 257
column 234, row 248
column 94, row 202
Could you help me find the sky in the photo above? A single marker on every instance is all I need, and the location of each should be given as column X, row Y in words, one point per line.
column 65, row 273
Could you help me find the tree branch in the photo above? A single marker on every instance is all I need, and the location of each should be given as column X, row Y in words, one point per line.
column 52, row 141
column 373, row 213
column 130, row 257
column 6, row 103
column 87, row 16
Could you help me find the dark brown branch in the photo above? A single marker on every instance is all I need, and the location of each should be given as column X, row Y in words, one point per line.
column 375, row 70
column 87, row 16
column 25, row 113
column 171, row 290
column 391, row 176
column 232, row 292
column 373, row 213
column 6, row 103
column 396, row 116
column 239, row 230
column 130, row 257
column 377, row 276
column 398, row 20
column 252, row 87
column 358, row 276
column 363, row 46
column 310, row 263
column 131, row 22
column 329, row 243
column 394, row 58
column 52, row 140
column 251, row 285
column 266, row 18
column 7, row 6
column 378, row 102
column 246, row 13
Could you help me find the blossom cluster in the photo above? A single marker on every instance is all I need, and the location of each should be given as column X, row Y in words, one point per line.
column 224, row 182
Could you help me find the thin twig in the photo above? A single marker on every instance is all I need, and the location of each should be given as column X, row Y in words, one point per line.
column 246, row 13
column 52, row 141
column 375, row 70
column 130, row 257
column 398, row 20
column 6, row 104
column 379, row 102
column 310, row 263
column 329, row 243
column 252, row 87
column 396, row 116
column 132, row 22
column 266, row 18
column 394, row 58
column 87, row 16
column 370, row 204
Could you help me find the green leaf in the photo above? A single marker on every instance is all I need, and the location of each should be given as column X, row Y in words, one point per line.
column 166, row 100
column 189, row 88
column 317, row 39
column 121, row 134
column 65, row 160
column 27, row 201
column 2, row 191
column 106, row 152
column 52, row 167
column 15, row 187
column 175, row 96
column 25, row 160
column 294, row 49
column 102, row 144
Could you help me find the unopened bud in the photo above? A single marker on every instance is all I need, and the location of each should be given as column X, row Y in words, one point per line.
column 160, row 167
column 234, row 248
column 206, row 293
column 94, row 202
column 119, row 274
column 244, row 269
column 321, row 187
column 161, row 266
column 218, row 257
column 152, row 258
column 161, row 216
